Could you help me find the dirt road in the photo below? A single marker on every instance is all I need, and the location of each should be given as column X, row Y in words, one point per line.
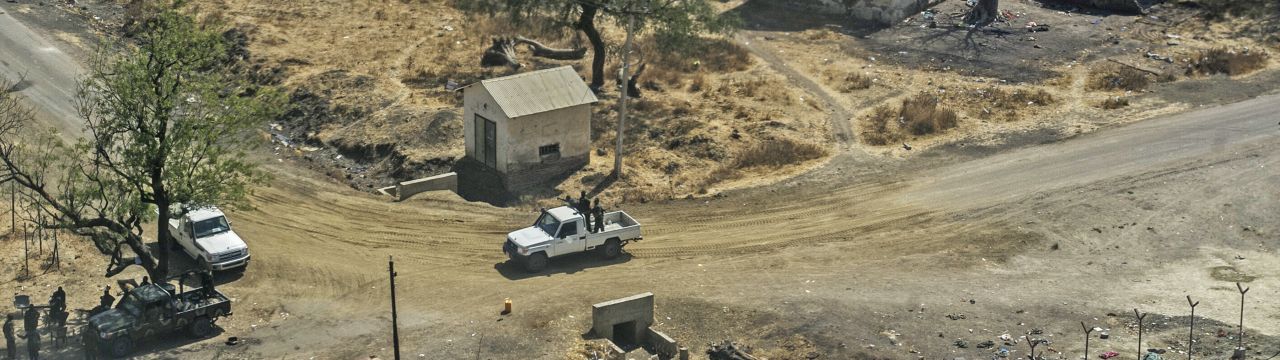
column 836, row 257
column 44, row 74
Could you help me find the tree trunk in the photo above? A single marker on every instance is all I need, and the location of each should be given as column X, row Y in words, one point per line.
column 587, row 23
column 983, row 14
column 163, row 240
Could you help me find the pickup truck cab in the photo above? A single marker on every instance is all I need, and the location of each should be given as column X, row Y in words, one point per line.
column 205, row 234
column 562, row 231
column 155, row 309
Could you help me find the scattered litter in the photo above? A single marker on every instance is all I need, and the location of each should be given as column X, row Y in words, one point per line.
column 986, row 344
column 1109, row 354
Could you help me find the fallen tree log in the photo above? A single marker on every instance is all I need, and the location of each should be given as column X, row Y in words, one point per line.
column 543, row 51
column 501, row 53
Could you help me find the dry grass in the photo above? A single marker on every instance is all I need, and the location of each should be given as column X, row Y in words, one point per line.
column 1116, row 77
column 1114, row 102
column 922, row 115
column 1227, row 61
column 918, row 116
column 847, row 82
column 777, row 152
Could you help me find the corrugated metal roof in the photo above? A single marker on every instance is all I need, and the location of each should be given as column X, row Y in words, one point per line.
column 539, row 91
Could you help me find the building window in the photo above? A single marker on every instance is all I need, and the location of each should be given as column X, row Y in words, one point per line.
column 549, row 152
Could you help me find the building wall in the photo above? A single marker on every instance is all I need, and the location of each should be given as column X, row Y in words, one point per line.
column 476, row 100
column 637, row 308
column 883, row 12
column 569, row 127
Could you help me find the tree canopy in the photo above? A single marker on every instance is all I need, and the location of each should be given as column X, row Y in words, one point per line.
column 167, row 124
column 675, row 23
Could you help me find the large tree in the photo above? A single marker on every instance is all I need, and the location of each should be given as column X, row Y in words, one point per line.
column 166, row 124
column 674, row 22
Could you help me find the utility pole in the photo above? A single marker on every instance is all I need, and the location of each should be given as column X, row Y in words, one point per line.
column 1191, row 338
column 1240, row 341
column 1087, row 331
column 1139, row 316
column 395, row 329
column 622, row 105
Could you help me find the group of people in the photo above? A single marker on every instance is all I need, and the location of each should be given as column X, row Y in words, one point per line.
column 56, row 321
column 594, row 215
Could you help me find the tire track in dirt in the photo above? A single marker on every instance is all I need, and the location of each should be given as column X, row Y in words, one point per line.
column 840, row 117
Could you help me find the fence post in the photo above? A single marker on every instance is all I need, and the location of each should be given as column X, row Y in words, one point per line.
column 1240, row 340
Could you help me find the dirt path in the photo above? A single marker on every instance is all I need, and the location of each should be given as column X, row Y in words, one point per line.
column 840, row 117
column 48, row 73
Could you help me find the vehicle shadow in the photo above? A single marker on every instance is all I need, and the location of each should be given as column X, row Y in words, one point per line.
column 180, row 262
column 167, row 345
column 567, row 264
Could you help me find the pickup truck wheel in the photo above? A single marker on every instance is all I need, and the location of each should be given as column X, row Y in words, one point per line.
column 201, row 327
column 612, row 248
column 536, row 262
column 121, row 346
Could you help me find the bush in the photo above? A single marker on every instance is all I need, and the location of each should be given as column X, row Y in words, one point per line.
column 877, row 131
column 1227, row 61
column 777, row 152
column 1115, row 77
column 922, row 115
column 1115, row 102
column 854, row 81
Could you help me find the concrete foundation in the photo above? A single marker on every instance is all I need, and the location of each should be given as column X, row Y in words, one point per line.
column 664, row 345
column 626, row 319
column 406, row 189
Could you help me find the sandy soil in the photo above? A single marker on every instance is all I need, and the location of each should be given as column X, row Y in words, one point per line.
column 866, row 256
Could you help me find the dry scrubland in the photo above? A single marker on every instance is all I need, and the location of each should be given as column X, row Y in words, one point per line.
column 370, row 80
column 930, row 86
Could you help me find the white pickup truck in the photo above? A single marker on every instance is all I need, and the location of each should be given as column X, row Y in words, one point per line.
column 205, row 234
column 562, row 230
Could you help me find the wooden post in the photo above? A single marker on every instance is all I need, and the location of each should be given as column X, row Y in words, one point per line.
column 1139, row 316
column 1087, row 331
column 1240, row 340
column 395, row 329
column 1191, row 337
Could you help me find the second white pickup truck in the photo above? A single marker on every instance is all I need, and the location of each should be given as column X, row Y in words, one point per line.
column 562, row 230
column 205, row 234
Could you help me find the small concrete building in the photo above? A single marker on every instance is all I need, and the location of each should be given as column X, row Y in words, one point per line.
column 530, row 127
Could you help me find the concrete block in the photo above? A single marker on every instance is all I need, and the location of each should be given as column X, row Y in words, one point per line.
column 626, row 319
column 446, row 181
column 665, row 346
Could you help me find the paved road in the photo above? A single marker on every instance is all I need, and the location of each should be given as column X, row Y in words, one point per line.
column 50, row 74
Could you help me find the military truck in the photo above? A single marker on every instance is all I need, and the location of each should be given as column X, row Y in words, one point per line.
column 562, row 231
column 155, row 309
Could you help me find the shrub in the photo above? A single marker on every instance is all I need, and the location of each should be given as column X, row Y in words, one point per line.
column 1115, row 77
column 777, row 152
column 1226, row 61
column 854, row 81
column 922, row 115
column 1115, row 102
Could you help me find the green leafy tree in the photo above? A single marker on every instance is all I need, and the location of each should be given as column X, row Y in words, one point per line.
column 166, row 124
column 675, row 23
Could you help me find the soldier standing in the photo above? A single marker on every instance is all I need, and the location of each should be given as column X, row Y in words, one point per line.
column 10, row 342
column 599, row 214
column 106, row 300
column 31, row 323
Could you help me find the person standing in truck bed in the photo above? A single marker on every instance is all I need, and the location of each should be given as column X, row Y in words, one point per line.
column 599, row 214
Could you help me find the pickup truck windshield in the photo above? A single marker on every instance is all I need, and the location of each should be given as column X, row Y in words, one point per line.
column 212, row 226
column 548, row 224
column 130, row 304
